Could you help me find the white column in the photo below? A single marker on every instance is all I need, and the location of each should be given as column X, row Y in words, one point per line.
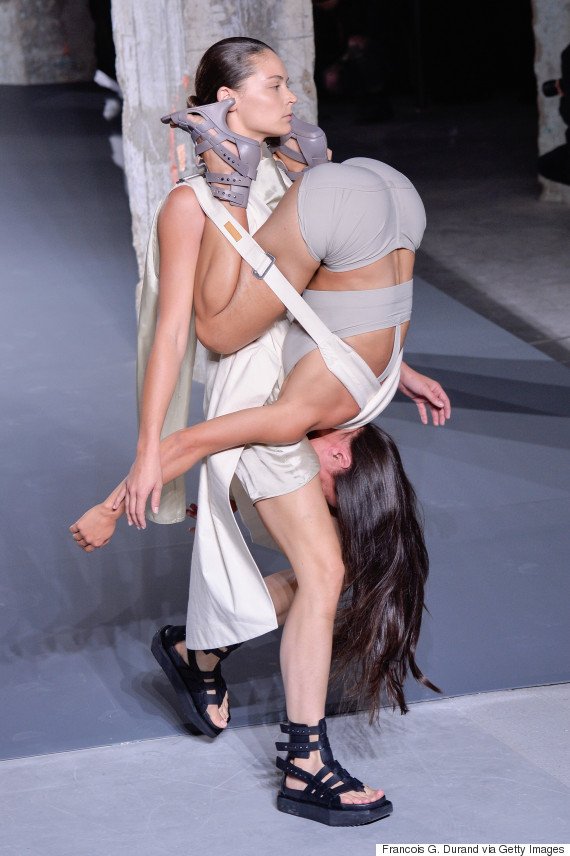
column 551, row 24
column 158, row 44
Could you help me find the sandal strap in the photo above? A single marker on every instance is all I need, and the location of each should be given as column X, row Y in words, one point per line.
column 300, row 729
column 223, row 654
column 215, row 697
column 299, row 743
column 227, row 178
column 291, row 153
column 246, row 161
column 355, row 784
column 312, row 143
column 204, row 675
column 242, row 167
column 292, row 770
column 317, row 790
column 238, row 198
column 210, row 693
column 332, row 780
column 195, row 678
column 206, row 687
column 301, row 750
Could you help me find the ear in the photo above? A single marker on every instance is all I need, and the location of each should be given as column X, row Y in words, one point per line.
column 342, row 459
column 224, row 93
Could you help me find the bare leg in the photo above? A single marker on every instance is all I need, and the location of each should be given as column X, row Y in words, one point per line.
column 282, row 587
column 233, row 307
column 293, row 520
column 226, row 290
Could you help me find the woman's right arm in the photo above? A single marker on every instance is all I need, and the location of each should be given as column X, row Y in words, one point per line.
column 180, row 228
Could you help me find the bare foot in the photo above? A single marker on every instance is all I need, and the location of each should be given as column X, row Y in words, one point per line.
column 206, row 663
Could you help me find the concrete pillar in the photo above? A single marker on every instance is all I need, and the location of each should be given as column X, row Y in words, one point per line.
column 551, row 24
column 158, row 44
column 46, row 41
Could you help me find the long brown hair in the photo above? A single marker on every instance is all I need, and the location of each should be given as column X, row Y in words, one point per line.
column 386, row 561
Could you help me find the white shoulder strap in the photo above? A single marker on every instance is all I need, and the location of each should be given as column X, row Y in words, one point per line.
column 340, row 358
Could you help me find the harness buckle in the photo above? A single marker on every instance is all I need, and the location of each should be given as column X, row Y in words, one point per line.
column 267, row 269
column 195, row 170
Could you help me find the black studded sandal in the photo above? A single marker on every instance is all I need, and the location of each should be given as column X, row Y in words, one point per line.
column 245, row 163
column 312, row 144
column 195, row 689
column 320, row 800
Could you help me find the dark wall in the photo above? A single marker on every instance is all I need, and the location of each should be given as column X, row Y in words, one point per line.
column 437, row 50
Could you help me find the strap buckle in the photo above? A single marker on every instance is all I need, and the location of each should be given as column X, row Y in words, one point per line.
column 195, row 170
column 267, row 269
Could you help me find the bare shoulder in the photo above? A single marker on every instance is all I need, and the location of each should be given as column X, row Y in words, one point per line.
column 181, row 208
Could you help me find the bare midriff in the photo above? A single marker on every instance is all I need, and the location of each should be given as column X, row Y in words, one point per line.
column 395, row 268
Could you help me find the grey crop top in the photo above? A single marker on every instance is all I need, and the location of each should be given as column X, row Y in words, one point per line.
column 348, row 313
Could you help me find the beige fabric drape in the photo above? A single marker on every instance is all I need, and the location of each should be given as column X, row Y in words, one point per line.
column 228, row 600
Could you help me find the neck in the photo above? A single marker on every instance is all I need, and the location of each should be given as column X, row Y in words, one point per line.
column 235, row 125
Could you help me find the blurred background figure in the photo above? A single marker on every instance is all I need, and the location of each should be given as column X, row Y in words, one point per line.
column 353, row 54
column 370, row 54
column 555, row 164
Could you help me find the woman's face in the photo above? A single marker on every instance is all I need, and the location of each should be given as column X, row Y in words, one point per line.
column 264, row 102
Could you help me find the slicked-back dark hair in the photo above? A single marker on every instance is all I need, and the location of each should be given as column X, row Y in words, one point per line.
column 226, row 63
column 386, row 561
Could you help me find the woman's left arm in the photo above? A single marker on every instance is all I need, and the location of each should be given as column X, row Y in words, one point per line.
column 427, row 393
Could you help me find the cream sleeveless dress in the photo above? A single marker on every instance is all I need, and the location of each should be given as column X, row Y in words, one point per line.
column 228, row 599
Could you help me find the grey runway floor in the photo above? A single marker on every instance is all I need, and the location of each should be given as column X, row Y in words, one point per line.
column 490, row 240
column 484, row 768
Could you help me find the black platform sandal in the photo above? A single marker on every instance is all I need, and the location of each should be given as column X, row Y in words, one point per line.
column 195, row 689
column 320, row 800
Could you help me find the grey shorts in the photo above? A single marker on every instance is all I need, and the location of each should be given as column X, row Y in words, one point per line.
column 354, row 213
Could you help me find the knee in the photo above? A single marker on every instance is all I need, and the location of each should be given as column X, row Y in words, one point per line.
column 335, row 576
column 324, row 584
column 218, row 336
column 331, row 590
column 209, row 336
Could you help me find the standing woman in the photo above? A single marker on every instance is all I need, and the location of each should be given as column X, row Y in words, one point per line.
column 292, row 508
